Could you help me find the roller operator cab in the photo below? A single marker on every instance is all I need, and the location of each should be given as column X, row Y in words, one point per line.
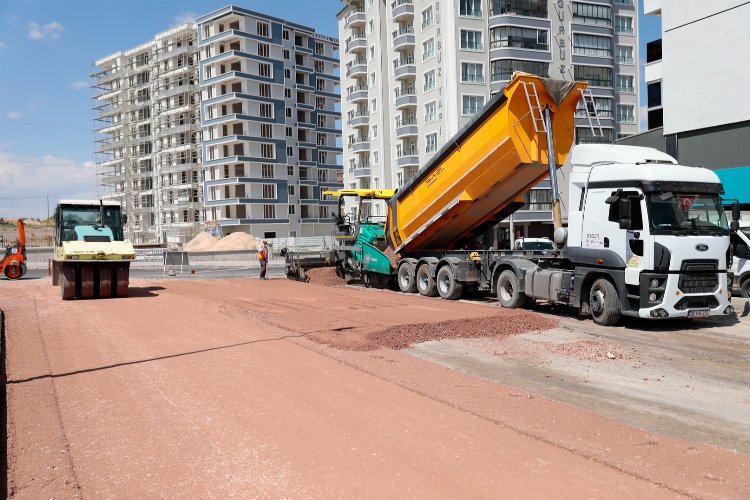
column 91, row 257
column 646, row 237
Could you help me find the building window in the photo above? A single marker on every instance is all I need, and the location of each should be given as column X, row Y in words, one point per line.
column 471, row 8
column 625, row 83
column 262, row 28
column 263, row 49
column 264, row 70
column 291, row 207
column 521, row 38
column 267, row 151
column 269, row 211
column 602, row 106
column 373, row 105
column 531, row 8
column 266, row 171
column 624, row 54
column 624, row 25
column 290, row 170
column 266, row 110
column 319, row 67
column 266, row 130
column 431, row 140
column 286, row 54
column 429, row 80
column 289, row 151
column 471, row 40
column 504, row 68
column 596, row 76
column 430, row 112
column 472, row 72
column 285, row 34
column 427, row 18
column 290, row 189
column 287, row 74
column 592, row 45
column 320, row 103
column 287, row 93
column 319, row 48
column 428, row 49
column 269, row 191
column 625, row 113
column 472, row 104
column 584, row 135
column 322, row 175
column 264, row 90
column 586, row 13
column 654, row 94
column 288, row 112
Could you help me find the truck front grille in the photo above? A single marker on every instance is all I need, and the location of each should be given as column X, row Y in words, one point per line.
column 698, row 277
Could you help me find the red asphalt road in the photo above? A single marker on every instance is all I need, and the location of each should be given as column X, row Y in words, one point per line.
column 210, row 389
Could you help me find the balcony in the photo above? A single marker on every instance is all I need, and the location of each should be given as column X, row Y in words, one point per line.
column 357, row 94
column 406, row 128
column 357, row 68
column 407, row 157
column 357, row 43
column 624, row 60
column 360, row 170
column 518, row 8
column 404, row 68
column 402, row 9
column 403, row 39
column 406, row 97
column 360, row 145
column 356, row 18
column 359, row 120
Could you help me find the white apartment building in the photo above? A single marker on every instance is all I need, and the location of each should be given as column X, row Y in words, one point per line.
column 270, row 112
column 145, row 105
column 415, row 71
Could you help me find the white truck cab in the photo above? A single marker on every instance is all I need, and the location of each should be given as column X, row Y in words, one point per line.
column 655, row 229
column 534, row 244
column 741, row 260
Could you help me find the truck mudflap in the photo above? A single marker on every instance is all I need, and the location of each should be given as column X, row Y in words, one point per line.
column 661, row 297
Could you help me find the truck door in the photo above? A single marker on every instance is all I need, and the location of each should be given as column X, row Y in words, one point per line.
column 628, row 211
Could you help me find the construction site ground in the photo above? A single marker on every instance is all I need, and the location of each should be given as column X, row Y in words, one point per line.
column 208, row 387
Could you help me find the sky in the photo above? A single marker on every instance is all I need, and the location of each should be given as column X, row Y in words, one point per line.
column 47, row 51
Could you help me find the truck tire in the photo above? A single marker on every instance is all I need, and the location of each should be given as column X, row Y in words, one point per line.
column 745, row 288
column 425, row 283
column 67, row 282
column 447, row 286
column 509, row 290
column 406, row 281
column 122, row 278
column 105, row 281
column 604, row 303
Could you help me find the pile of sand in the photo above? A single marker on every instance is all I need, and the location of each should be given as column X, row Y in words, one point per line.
column 204, row 242
column 237, row 241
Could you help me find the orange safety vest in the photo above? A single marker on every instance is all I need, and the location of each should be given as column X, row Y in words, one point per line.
column 262, row 253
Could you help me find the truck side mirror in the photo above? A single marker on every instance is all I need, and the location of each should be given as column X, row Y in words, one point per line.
column 124, row 218
column 636, row 246
column 740, row 251
column 625, row 209
column 735, row 210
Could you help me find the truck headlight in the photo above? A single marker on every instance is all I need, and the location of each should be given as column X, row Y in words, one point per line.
column 652, row 297
column 654, row 283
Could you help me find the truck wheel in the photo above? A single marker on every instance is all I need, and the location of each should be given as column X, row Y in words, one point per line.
column 122, row 274
column 745, row 288
column 425, row 283
column 67, row 282
column 604, row 303
column 447, row 286
column 509, row 290
column 406, row 281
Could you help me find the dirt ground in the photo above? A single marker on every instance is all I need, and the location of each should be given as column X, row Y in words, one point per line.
column 238, row 387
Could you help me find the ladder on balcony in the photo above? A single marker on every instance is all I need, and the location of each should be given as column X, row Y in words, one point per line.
column 589, row 107
column 532, row 98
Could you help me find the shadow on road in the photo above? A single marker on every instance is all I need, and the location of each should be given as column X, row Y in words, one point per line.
column 144, row 291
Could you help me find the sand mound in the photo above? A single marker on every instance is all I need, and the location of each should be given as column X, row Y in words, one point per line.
column 324, row 276
column 204, row 242
column 237, row 241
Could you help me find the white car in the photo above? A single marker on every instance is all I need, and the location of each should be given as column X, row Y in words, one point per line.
column 534, row 244
column 741, row 259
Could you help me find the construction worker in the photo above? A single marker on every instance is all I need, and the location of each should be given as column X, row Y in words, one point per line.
column 263, row 258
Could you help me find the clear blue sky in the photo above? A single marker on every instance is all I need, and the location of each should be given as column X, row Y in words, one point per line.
column 47, row 48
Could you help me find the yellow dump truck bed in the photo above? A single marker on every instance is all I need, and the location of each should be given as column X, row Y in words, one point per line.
column 481, row 174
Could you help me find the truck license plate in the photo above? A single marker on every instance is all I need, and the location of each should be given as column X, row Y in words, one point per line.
column 698, row 313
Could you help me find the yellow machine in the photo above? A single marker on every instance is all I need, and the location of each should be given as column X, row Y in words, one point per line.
column 91, row 259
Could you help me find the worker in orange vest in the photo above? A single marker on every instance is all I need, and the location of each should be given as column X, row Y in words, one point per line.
column 263, row 258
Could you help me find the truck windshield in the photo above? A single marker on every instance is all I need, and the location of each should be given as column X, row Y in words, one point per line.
column 686, row 213
column 72, row 216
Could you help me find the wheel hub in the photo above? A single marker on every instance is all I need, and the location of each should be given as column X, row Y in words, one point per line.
column 597, row 301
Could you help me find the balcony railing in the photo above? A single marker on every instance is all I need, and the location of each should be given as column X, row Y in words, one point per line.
column 399, row 3
column 407, row 151
column 403, row 62
column 409, row 30
column 405, row 122
column 405, row 91
column 625, row 88
column 627, row 30
column 469, row 78
column 624, row 60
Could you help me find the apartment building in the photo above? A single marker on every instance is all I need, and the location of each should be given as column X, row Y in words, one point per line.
column 270, row 114
column 145, row 106
column 702, row 116
column 415, row 71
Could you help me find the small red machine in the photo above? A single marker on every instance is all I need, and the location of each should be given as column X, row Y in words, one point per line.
column 13, row 264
